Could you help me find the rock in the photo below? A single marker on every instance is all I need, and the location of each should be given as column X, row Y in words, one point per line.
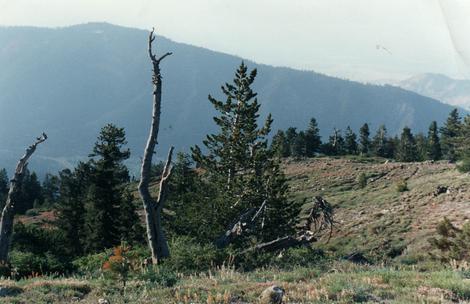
column 103, row 301
column 8, row 291
column 272, row 295
column 440, row 190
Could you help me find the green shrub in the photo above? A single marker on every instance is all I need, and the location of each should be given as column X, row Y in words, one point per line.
column 25, row 264
column 362, row 180
column 451, row 242
column 90, row 264
column 119, row 265
column 402, row 186
column 158, row 275
column 464, row 165
column 46, row 247
column 5, row 270
column 32, row 212
column 188, row 255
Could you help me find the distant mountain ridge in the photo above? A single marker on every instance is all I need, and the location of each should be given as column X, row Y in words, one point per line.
column 71, row 81
column 455, row 92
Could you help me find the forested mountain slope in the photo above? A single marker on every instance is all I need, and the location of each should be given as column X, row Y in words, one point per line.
column 70, row 81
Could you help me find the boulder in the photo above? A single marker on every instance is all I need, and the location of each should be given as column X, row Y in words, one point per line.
column 8, row 291
column 272, row 295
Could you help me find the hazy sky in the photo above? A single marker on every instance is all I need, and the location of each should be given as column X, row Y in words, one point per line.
column 358, row 39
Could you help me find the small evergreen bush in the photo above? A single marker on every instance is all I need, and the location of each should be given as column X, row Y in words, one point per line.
column 362, row 180
column 158, row 275
column 464, row 165
column 402, row 186
column 188, row 255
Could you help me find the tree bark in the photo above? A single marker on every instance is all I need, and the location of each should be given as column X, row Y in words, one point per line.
column 8, row 213
column 153, row 209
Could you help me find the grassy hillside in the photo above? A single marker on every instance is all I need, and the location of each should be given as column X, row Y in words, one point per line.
column 376, row 224
column 378, row 221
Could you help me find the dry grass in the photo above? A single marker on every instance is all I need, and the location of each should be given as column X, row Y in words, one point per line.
column 341, row 282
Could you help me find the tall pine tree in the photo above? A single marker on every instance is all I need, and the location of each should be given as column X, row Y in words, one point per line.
column 379, row 142
column 107, row 197
column 350, row 142
column 312, row 138
column 70, row 210
column 279, row 144
column 364, row 141
column 406, row 151
column 434, row 145
column 450, row 133
column 240, row 165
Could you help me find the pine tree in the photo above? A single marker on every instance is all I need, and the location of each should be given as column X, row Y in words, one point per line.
column 70, row 210
column 336, row 143
column 106, row 193
column 50, row 189
column 379, row 142
column 434, row 146
column 232, row 150
column 129, row 226
column 350, row 142
column 291, row 135
column 238, row 162
column 30, row 193
column 422, row 147
column 406, row 151
column 364, row 141
column 312, row 139
column 392, row 147
column 449, row 134
column 462, row 146
column 299, row 145
column 279, row 144
column 190, row 211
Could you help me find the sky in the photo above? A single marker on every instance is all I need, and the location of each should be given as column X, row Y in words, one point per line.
column 365, row 40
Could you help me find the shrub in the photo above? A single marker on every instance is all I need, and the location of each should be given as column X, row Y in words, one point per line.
column 362, row 180
column 5, row 270
column 402, row 186
column 464, row 165
column 32, row 212
column 158, row 275
column 188, row 255
column 452, row 243
column 90, row 264
column 24, row 264
column 38, row 250
column 119, row 264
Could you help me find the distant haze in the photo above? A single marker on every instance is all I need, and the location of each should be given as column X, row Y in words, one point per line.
column 368, row 40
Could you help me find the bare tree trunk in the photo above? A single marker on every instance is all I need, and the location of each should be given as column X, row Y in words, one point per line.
column 8, row 213
column 153, row 209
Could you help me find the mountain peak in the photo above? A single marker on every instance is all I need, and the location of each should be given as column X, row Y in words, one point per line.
column 455, row 92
